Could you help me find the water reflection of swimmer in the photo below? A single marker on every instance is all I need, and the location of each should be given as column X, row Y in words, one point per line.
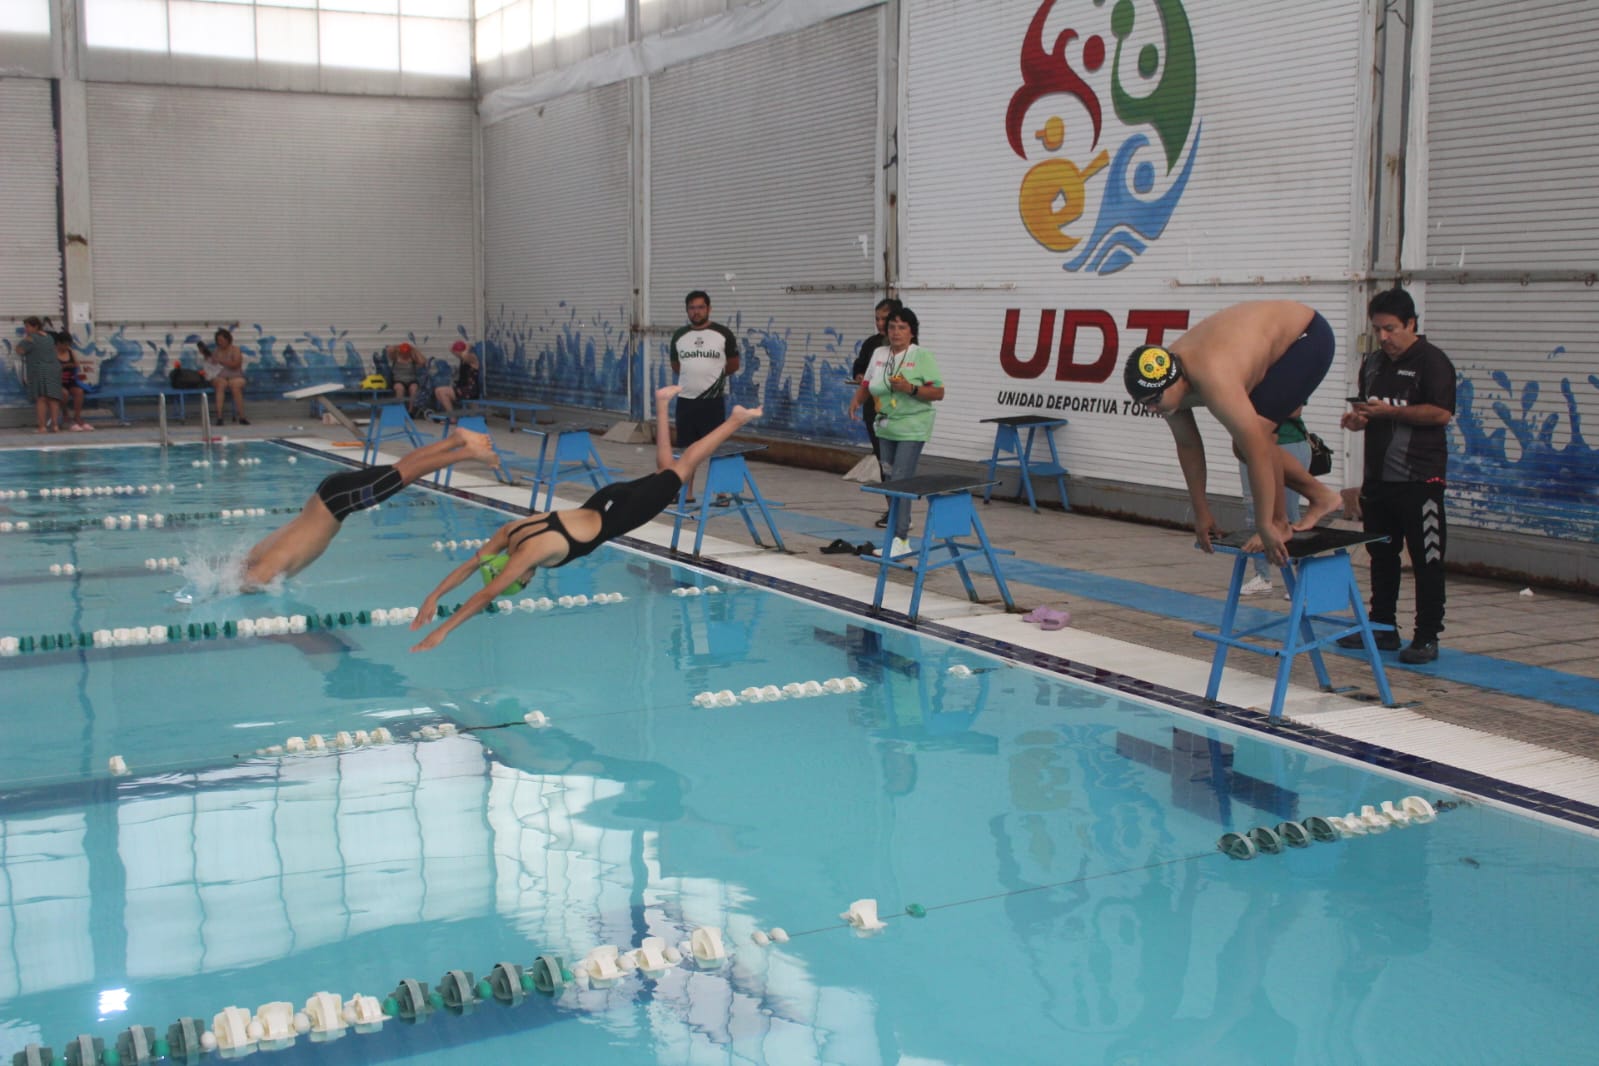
column 345, row 674
column 898, row 761
column 348, row 676
column 650, row 791
column 556, row 538
column 1247, row 1019
column 295, row 546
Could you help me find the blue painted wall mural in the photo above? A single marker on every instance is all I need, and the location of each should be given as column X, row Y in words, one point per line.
column 799, row 378
column 1518, row 460
column 570, row 360
column 144, row 359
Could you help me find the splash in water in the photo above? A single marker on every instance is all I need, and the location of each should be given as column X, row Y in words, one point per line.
column 210, row 575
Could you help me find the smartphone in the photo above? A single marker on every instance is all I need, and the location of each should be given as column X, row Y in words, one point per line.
column 1355, row 399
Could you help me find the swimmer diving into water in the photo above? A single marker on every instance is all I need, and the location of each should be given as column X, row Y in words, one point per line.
column 295, row 546
column 555, row 538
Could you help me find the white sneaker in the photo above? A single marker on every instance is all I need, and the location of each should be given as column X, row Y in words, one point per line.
column 900, row 548
column 1255, row 586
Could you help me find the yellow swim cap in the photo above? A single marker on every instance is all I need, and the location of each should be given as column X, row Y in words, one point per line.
column 1150, row 371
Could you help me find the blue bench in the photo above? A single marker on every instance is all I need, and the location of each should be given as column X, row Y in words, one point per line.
column 118, row 397
column 510, row 408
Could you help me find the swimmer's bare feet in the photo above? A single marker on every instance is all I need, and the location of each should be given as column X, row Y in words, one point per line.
column 666, row 392
column 741, row 415
column 476, row 445
column 1318, row 506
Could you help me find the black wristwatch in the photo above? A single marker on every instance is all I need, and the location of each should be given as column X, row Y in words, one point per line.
column 916, row 390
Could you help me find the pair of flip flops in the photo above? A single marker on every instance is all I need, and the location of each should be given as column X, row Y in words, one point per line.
column 1048, row 618
column 840, row 546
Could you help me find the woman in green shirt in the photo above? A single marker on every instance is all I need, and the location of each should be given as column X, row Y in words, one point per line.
column 904, row 382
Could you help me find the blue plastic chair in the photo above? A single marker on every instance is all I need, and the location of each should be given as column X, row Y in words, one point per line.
column 390, row 421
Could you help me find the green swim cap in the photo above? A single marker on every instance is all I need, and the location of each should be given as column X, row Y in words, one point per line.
column 493, row 567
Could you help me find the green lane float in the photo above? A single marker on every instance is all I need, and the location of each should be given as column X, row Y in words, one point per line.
column 1263, row 840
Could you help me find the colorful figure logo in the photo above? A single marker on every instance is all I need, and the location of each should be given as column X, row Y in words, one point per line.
column 1056, row 192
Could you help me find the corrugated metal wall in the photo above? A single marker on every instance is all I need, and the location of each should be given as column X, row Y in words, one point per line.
column 762, row 189
column 1510, row 160
column 332, row 226
column 557, row 242
column 1160, row 221
column 30, row 265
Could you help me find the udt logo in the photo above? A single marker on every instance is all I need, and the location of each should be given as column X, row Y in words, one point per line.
column 1138, row 188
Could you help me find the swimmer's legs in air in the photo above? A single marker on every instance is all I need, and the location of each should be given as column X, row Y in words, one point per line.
column 460, row 445
column 696, row 453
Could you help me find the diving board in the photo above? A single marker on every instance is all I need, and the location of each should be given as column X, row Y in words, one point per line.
column 315, row 392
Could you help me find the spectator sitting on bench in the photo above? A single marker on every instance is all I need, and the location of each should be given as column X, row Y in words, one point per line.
column 225, row 368
column 406, row 367
column 71, row 381
column 468, row 384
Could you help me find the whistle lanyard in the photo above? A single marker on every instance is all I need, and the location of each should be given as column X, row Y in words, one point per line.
column 891, row 368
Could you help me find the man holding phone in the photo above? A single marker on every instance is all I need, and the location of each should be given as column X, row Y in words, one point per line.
column 1407, row 398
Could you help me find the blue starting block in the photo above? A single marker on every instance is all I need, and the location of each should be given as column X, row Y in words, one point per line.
column 1321, row 586
column 950, row 514
column 1009, row 450
column 727, row 474
column 566, row 454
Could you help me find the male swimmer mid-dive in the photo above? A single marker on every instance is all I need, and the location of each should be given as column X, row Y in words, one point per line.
column 295, row 546
column 555, row 538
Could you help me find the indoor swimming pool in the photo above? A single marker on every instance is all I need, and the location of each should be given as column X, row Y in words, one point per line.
column 1042, row 852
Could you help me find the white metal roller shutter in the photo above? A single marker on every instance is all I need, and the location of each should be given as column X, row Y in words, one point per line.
column 762, row 186
column 336, row 225
column 30, row 266
column 1510, row 163
column 1269, row 210
column 557, row 248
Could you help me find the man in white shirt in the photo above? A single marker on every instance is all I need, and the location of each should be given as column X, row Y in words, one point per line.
column 704, row 355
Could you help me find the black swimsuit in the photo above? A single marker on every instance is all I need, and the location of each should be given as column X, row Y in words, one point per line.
column 525, row 531
column 355, row 490
column 622, row 507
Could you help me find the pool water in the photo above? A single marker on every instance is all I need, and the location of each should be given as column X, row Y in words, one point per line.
column 1059, row 839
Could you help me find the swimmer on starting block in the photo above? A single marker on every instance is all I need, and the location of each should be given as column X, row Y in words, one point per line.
column 295, row 546
column 555, row 538
column 1253, row 365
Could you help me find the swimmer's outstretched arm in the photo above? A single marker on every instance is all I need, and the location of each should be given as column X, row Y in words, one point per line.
column 474, row 603
column 492, row 547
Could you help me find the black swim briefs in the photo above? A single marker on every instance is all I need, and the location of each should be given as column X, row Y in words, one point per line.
column 355, row 490
column 1294, row 376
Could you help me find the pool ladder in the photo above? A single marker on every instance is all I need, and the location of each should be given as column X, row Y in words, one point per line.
column 205, row 424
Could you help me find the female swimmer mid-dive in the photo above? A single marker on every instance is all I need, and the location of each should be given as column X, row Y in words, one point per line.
column 555, row 538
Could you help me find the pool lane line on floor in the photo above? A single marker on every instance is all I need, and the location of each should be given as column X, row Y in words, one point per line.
column 1506, row 676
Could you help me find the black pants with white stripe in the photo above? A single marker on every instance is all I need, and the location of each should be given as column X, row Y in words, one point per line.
column 1410, row 514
